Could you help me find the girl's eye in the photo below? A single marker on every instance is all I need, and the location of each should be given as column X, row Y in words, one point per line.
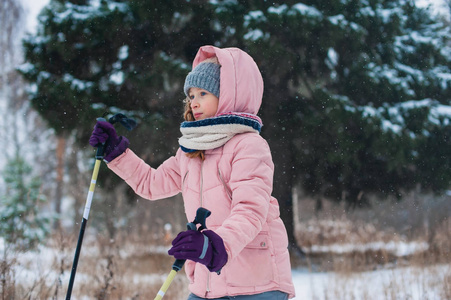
column 191, row 97
column 203, row 93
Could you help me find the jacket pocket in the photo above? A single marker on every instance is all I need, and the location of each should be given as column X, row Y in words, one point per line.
column 254, row 266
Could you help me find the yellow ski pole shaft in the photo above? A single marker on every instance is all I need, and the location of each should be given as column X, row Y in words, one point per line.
column 84, row 220
column 166, row 284
column 129, row 124
column 201, row 216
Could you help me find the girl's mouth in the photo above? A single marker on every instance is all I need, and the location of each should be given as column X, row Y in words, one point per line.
column 197, row 115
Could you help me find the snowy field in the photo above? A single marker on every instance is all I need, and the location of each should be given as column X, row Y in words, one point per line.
column 412, row 283
column 386, row 282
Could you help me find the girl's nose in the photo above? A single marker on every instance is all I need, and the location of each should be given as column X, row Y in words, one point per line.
column 194, row 103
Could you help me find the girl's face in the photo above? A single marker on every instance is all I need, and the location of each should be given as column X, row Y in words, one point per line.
column 203, row 103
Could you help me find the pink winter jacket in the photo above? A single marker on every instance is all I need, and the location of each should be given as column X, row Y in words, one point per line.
column 235, row 183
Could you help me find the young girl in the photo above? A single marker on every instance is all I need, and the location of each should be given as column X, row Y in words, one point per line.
column 225, row 166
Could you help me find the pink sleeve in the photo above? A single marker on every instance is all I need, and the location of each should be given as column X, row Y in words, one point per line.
column 146, row 181
column 251, row 184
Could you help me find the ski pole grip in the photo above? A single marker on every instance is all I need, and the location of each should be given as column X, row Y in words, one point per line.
column 100, row 151
column 201, row 216
column 101, row 148
column 178, row 264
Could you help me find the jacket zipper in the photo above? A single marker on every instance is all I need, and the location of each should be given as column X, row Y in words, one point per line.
column 229, row 194
column 207, row 289
column 208, row 285
column 201, row 183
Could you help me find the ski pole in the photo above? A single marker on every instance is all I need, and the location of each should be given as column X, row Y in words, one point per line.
column 201, row 216
column 129, row 124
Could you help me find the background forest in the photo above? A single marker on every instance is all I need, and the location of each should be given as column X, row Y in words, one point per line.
column 356, row 109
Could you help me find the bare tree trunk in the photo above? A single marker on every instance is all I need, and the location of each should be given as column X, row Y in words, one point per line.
column 79, row 182
column 60, row 149
column 283, row 158
column 283, row 187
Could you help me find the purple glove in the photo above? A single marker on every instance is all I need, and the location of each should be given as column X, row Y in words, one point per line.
column 204, row 247
column 104, row 132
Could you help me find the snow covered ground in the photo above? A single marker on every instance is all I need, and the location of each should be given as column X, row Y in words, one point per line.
column 400, row 283
column 410, row 282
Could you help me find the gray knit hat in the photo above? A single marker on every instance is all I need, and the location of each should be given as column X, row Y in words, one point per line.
column 205, row 75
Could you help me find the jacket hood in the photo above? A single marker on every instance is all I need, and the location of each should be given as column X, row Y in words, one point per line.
column 241, row 83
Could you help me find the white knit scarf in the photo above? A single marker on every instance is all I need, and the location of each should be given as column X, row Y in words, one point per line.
column 214, row 132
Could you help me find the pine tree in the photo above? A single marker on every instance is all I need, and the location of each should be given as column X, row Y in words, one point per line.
column 354, row 92
column 355, row 87
column 23, row 225
column 88, row 58
column 130, row 57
